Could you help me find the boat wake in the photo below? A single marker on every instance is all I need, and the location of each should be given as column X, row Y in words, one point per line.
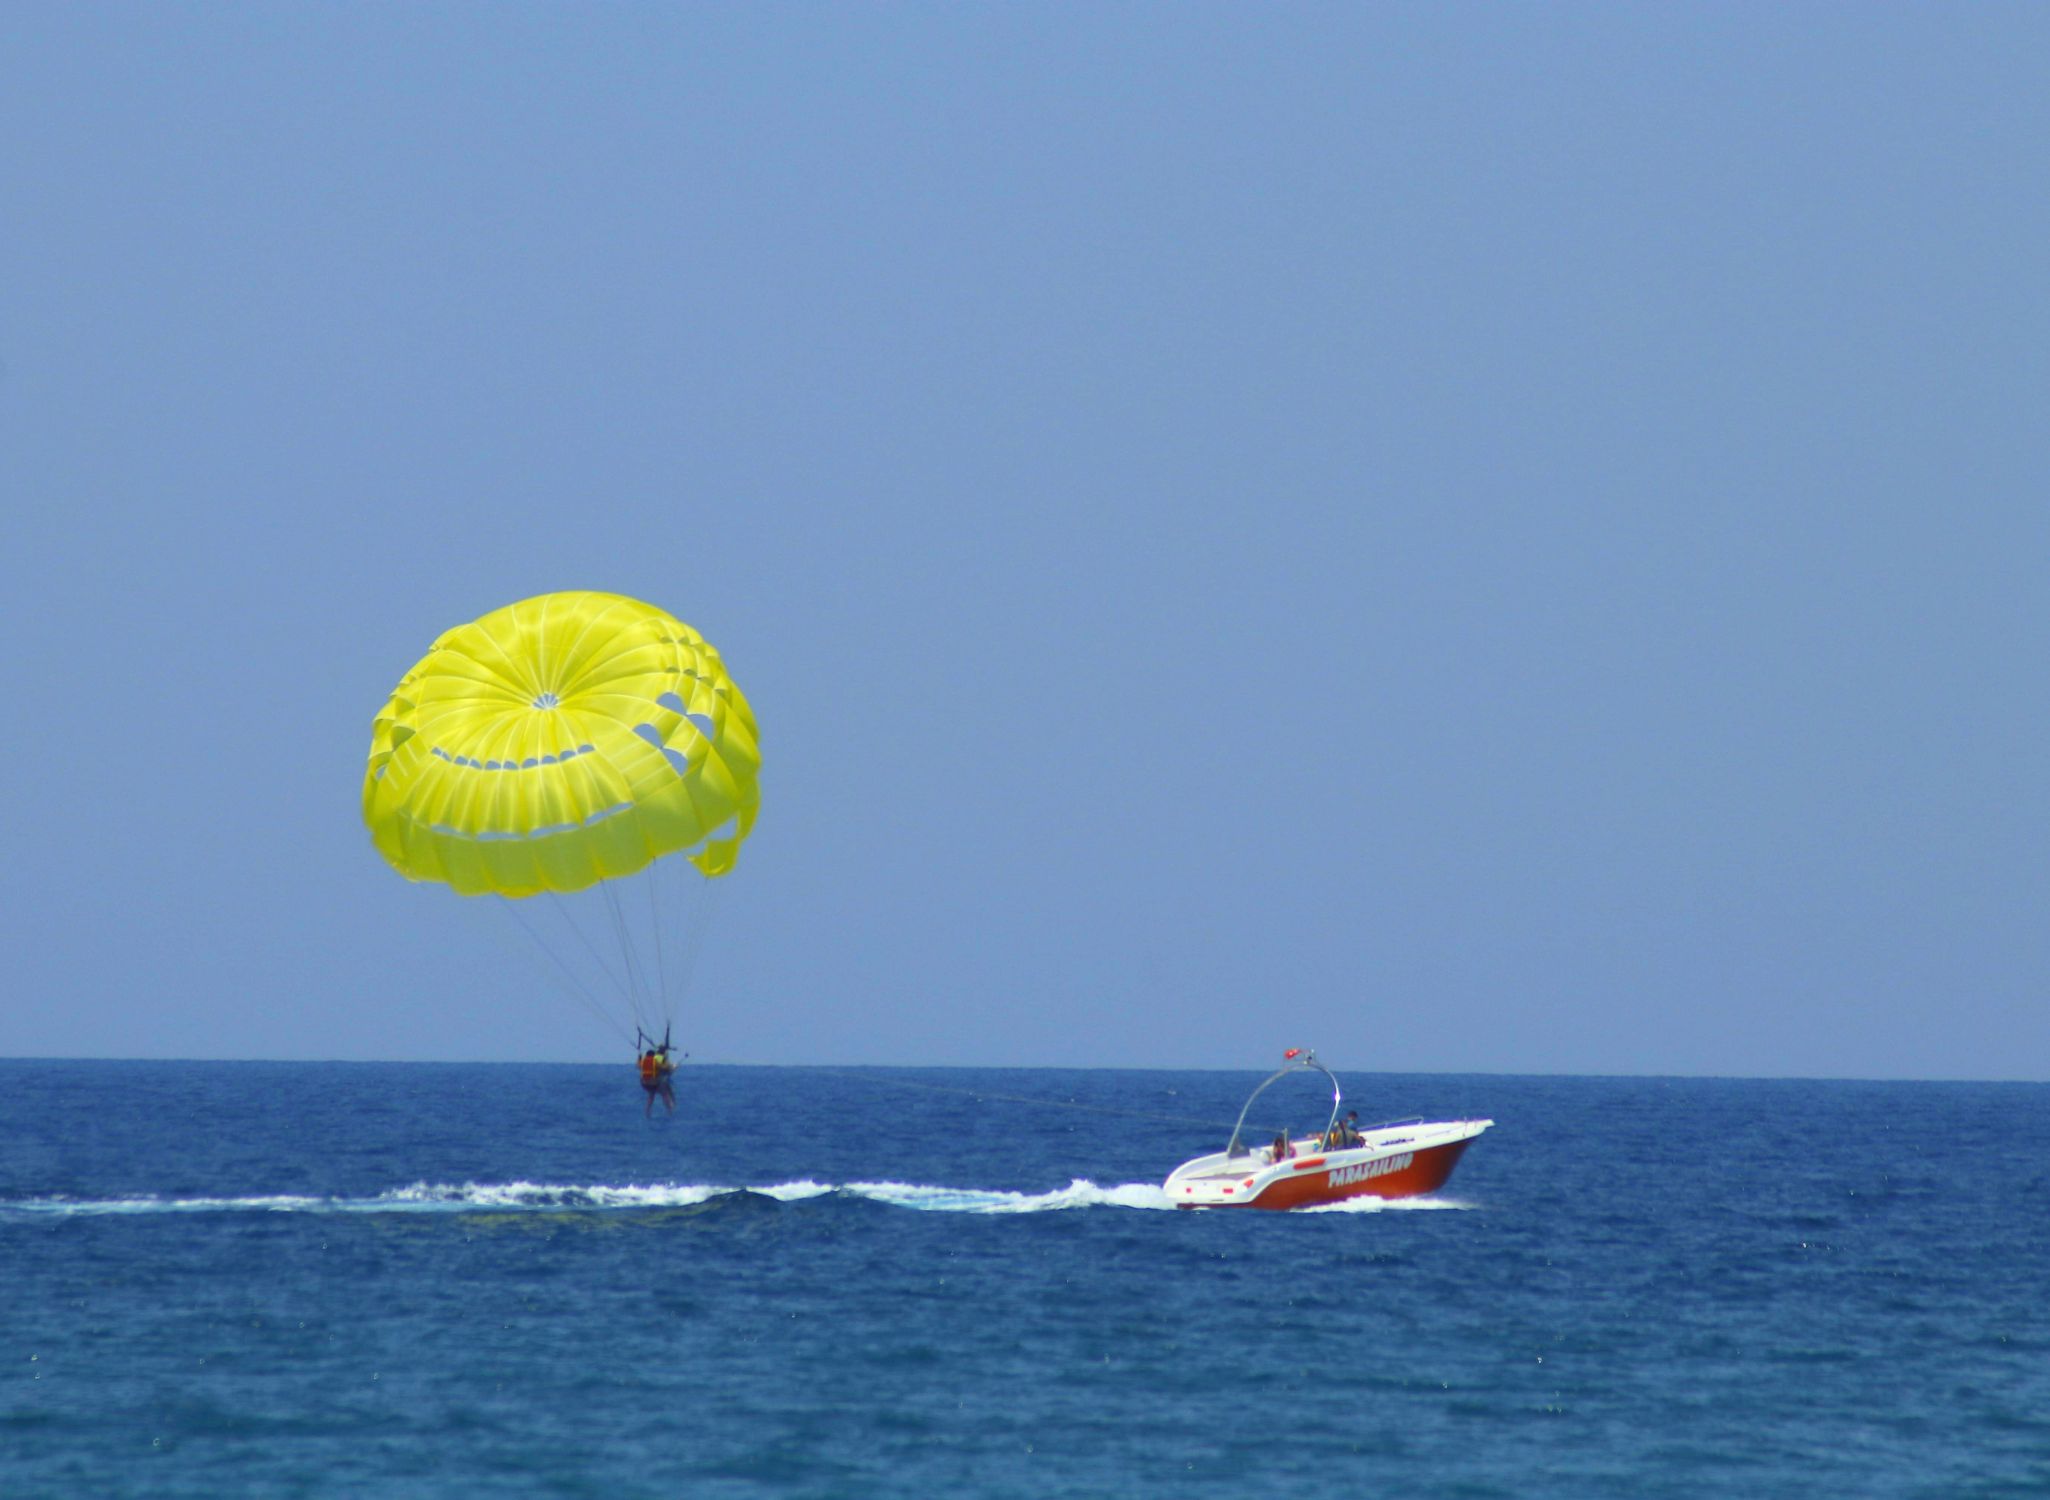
column 1383, row 1206
column 534, row 1197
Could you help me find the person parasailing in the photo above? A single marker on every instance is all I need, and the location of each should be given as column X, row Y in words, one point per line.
column 657, row 1068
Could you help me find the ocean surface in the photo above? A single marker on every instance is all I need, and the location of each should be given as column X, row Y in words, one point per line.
column 258, row 1279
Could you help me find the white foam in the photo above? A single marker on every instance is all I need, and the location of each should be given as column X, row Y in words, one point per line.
column 790, row 1192
column 1081, row 1193
column 556, row 1197
column 1365, row 1205
column 150, row 1204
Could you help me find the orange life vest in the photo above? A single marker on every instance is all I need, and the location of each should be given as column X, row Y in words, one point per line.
column 651, row 1068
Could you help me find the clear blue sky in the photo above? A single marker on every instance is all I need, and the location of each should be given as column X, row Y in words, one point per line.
column 1480, row 538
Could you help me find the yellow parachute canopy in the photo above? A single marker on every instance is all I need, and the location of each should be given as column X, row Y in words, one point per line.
column 558, row 742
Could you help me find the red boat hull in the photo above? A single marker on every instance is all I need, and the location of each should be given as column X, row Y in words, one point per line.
column 1403, row 1176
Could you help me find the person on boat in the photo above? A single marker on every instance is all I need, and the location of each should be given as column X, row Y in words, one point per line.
column 1282, row 1149
column 656, row 1068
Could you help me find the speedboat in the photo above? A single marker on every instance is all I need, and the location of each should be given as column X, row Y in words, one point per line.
column 1397, row 1160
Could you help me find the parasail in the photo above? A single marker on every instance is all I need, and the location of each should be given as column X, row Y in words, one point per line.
column 569, row 744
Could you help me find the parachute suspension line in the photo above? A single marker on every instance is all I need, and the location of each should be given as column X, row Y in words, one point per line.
column 636, row 990
column 655, row 926
column 565, row 975
column 570, row 921
column 697, row 923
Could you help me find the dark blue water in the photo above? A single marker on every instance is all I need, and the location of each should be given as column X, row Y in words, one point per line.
column 262, row 1280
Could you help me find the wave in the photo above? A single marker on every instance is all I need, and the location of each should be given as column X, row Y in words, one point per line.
column 538, row 1197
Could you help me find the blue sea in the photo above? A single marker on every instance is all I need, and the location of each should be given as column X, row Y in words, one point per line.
column 412, row 1280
